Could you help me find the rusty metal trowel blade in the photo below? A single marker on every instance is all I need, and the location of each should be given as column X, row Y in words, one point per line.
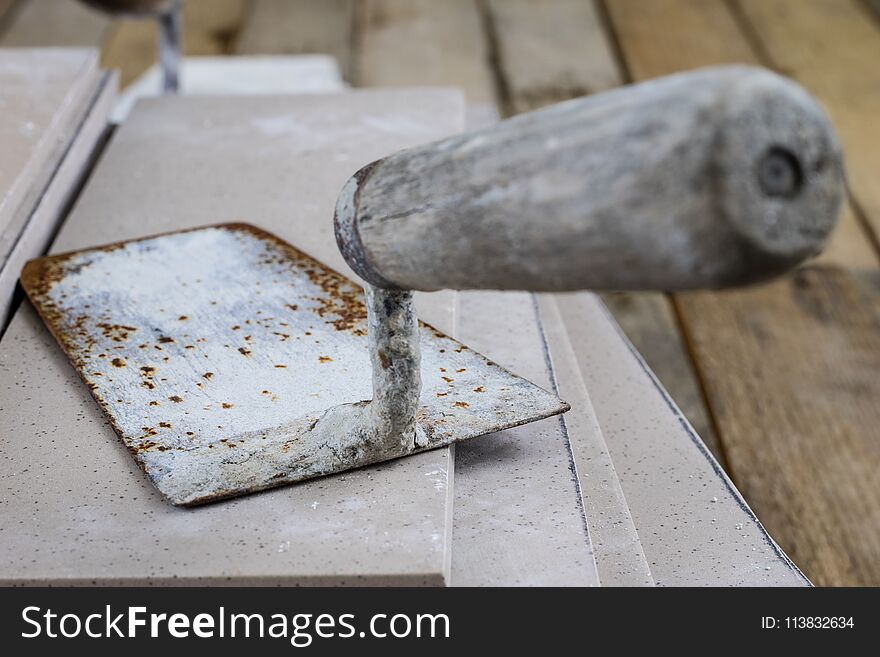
column 214, row 351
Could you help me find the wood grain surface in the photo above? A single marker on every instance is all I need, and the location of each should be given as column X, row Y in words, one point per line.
column 424, row 42
column 551, row 51
column 772, row 359
column 293, row 27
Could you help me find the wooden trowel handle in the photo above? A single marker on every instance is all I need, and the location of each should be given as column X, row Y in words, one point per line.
column 713, row 178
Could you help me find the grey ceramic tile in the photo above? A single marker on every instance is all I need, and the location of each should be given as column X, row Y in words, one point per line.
column 29, row 234
column 44, row 94
column 616, row 379
column 695, row 527
column 620, row 558
column 509, row 537
column 76, row 510
column 518, row 515
column 245, row 75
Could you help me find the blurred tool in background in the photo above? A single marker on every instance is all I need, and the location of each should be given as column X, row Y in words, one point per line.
column 168, row 14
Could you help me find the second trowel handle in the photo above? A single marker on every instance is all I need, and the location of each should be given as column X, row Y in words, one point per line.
column 712, row 178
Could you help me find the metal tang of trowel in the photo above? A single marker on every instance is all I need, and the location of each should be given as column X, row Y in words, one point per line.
column 228, row 361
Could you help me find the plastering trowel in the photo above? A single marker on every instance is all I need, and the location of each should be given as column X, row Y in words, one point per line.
column 228, row 361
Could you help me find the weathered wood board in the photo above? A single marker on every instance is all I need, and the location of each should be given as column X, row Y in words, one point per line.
column 551, row 51
column 295, row 27
column 424, row 42
column 219, row 19
column 6, row 11
column 652, row 45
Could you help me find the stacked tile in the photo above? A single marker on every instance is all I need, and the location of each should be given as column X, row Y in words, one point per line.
column 657, row 508
column 53, row 109
column 694, row 526
column 82, row 510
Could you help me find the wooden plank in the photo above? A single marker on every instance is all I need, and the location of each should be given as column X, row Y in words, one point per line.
column 52, row 23
column 678, row 35
column 659, row 38
column 299, row 27
column 833, row 48
column 424, row 42
column 220, row 19
column 791, row 373
column 745, row 340
column 551, row 51
column 849, row 244
column 6, row 12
